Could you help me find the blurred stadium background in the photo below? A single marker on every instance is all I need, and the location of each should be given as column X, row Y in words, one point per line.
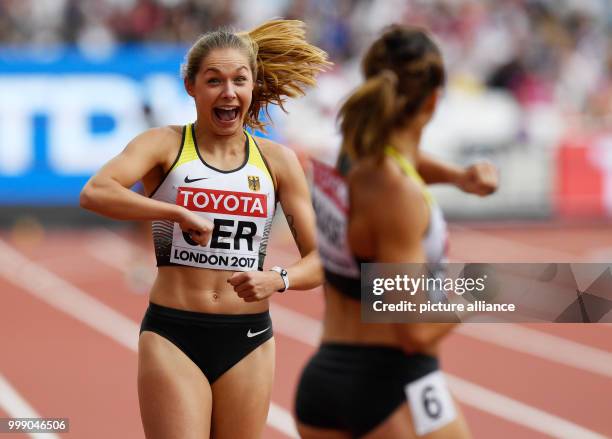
column 530, row 88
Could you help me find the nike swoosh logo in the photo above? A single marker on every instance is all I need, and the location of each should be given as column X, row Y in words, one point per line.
column 191, row 180
column 253, row 334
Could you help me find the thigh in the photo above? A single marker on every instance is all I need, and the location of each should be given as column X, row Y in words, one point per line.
column 400, row 425
column 308, row 432
column 175, row 397
column 242, row 395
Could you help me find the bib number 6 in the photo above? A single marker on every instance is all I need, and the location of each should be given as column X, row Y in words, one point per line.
column 430, row 402
column 432, row 406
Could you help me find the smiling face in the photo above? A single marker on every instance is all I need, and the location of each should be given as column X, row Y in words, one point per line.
column 222, row 90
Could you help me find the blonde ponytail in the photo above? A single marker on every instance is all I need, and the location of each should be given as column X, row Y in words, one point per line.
column 282, row 61
column 286, row 64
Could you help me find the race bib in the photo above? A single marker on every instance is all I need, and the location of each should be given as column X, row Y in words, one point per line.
column 239, row 220
column 330, row 201
column 431, row 404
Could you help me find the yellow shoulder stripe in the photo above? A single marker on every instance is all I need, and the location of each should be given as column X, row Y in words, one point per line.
column 409, row 169
column 255, row 157
column 188, row 151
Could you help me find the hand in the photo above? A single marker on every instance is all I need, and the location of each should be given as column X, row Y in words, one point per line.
column 198, row 228
column 480, row 179
column 253, row 286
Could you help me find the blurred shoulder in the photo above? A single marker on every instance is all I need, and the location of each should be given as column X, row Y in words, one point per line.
column 381, row 185
column 377, row 175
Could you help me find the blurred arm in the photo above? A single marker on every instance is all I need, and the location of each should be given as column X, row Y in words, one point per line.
column 399, row 235
column 480, row 178
column 434, row 170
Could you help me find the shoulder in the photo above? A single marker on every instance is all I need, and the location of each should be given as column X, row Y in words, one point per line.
column 374, row 177
column 390, row 198
column 160, row 135
column 282, row 160
column 273, row 151
column 159, row 142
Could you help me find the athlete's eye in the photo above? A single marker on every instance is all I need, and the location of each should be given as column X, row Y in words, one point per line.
column 213, row 81
column 240, row 79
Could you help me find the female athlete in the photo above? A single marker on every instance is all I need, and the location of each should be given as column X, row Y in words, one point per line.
column 382, row 380
column 212, row 190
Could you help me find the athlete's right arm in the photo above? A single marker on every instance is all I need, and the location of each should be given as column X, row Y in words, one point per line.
column 400, row 219
column 480, row 178
column 108, row 193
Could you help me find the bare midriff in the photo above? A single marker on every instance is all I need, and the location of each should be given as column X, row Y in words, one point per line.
column 342, row 324
column 202, row 290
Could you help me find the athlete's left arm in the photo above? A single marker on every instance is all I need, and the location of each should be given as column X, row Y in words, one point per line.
column 295, row 200
column 481, row 178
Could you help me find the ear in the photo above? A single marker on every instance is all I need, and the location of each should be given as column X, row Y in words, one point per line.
column 189, row 87
column 431, row 103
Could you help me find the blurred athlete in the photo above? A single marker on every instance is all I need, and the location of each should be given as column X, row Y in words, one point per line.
column 382, row 380
column 206, row 351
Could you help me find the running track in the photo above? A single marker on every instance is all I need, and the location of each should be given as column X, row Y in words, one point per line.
column 69, row 324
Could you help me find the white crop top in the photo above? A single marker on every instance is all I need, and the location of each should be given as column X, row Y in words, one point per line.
column 239, row 202
column 330, row 199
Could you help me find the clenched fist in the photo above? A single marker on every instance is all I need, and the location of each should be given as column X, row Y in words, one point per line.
column 199, row 229
column 253, row 286
column 480, row 179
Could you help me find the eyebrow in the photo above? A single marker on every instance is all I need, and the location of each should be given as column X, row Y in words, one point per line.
column 216, row 70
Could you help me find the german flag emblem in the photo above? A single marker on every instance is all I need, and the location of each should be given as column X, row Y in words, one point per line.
column 253, row 182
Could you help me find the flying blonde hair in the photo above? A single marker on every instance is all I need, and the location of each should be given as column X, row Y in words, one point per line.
column 282, row 61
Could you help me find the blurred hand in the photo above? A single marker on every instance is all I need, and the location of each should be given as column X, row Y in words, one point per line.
column 199, row 229
column 253, row 286
column 480, row 179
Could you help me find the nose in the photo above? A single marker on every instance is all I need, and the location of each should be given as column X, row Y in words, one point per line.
column 229, row 91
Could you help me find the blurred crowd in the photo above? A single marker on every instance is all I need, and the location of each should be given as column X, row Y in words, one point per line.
column 557, row 51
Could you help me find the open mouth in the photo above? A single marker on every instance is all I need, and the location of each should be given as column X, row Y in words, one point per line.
column 226, row 114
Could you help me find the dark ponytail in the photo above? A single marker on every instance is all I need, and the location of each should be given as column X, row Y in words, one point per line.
column 368, row 115
column 402, row 69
